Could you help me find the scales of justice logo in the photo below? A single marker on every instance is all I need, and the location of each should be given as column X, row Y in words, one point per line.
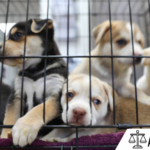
column 137, row 138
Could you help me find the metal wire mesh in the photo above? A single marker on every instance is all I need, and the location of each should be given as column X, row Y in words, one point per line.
column 97, row 12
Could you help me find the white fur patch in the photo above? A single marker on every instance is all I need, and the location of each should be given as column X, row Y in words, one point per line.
column 138, row 36
column 54, row 83
column 128, row 26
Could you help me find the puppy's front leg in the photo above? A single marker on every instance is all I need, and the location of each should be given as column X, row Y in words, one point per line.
column 26, row 128
column 128, row 91
column 11, row 115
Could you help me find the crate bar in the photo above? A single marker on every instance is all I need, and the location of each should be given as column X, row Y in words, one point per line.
column 13, row 147
column 77, row 144
column 22, row 83
column 67, row 57
column 77, row 14
column 47, row 147
column 4, row 50
column 45, row 62
column 90, row 90
column 71, row 148
column 112, row 64
column 146, row 24
column 145, row 28
column 80, row 0
column 76, row 56
column 137, row 118
column 97, row 126
column 147, row 31
column 149, row 20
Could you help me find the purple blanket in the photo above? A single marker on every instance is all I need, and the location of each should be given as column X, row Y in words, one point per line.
column 105, row 139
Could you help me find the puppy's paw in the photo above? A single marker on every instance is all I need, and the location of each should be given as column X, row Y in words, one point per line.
column 146, row 61
column 46, row 139
column 55, row 140
column 25, row 131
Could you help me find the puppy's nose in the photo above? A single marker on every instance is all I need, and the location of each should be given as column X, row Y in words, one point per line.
column 79, row 113
column 0, row 47
column 137, row 53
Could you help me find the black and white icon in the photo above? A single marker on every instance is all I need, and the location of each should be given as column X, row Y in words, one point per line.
column 140, row 138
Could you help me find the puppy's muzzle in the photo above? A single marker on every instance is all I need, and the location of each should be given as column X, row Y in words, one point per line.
column 79, row 113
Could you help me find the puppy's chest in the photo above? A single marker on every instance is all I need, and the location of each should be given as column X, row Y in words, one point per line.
column 33, row 90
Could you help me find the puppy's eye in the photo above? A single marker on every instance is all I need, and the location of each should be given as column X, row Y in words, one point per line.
column 17, row 35
column 70, row 95
column 121, row 42
column 96, row 101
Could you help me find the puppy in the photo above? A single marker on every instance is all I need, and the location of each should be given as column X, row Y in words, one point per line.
column 79, row 111
column 144, row 82
column 122, row 46
column 27, row 127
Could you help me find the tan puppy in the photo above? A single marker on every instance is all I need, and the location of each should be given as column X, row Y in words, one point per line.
column 122, row 46
column 144, row 82
column 79, row 112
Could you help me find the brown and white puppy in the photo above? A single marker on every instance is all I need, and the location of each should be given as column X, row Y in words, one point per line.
column 79, row 110
column 122, row 46
column 144, row 82
column 27, row 127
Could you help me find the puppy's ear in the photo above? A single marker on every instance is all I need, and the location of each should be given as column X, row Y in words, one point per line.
column 146, row 61
column 109, row 93
column 100, row 30
column 38, row 25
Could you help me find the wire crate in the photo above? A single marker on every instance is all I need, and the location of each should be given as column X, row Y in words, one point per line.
column 74, row 37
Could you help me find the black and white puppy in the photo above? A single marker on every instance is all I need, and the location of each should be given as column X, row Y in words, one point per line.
column 27, row 127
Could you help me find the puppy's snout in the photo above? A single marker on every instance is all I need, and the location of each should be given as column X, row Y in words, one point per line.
column 79, row 113
column 137, row 53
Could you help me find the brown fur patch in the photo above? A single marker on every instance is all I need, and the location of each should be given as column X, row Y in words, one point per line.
column 126, row 111
column 116, row 28
column 34, row 26
column 11, row 116
column 16, row 48
column 13, row 30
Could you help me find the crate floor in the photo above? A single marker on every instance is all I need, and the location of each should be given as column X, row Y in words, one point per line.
column 95, row 140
